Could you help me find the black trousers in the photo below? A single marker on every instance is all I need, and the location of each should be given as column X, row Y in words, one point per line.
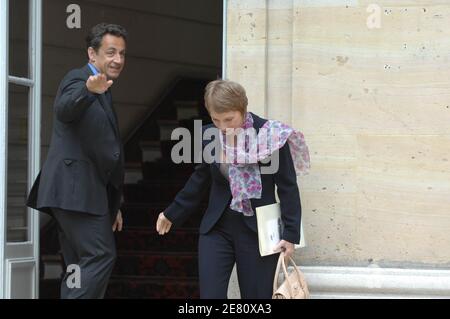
column 87, row 241
column 232, row 241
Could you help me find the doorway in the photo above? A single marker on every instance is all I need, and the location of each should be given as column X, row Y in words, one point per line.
column 174, row 48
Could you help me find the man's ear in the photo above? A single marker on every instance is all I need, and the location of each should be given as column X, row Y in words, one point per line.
column 91, row 54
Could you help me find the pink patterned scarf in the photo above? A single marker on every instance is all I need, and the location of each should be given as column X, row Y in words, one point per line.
column 244, row 173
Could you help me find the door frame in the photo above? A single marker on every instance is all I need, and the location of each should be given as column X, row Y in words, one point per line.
column 16, row 255
column 224, row 38
column 4, row 41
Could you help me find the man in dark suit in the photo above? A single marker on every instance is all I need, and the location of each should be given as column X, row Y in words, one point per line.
column 81, row 181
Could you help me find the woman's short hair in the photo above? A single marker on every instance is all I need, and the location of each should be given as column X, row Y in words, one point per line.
column 223, row 96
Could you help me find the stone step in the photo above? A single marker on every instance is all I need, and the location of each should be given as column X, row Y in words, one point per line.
column 173, row 264
column 166, row 128
column 133, row 173
column 137, row 287
column 166, row 170
column 187, row 109
column 151, row 151
column 148, row 192
column 145, row 215
column 142, row 239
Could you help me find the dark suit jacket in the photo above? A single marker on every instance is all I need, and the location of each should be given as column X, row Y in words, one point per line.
column 208, row 177
column 86, row 155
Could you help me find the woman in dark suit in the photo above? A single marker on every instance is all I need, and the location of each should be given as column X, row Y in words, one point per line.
column 228, row 231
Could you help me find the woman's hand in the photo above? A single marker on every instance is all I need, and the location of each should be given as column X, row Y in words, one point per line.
column 118, row 223
column 163, row 224
column 285, row 247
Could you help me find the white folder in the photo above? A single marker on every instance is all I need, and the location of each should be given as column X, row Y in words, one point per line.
column 270, row 229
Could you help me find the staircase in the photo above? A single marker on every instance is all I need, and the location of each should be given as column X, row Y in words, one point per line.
column 149, row 265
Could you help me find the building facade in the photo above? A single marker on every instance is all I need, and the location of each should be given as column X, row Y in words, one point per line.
column 367, row 82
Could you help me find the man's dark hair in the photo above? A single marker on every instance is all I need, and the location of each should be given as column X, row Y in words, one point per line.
column 94, row 39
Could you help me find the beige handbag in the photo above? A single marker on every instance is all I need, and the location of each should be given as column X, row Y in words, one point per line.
column 294, row 284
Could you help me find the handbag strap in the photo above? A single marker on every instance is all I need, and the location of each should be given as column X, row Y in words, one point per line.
column 299, row 276
column 281, row 264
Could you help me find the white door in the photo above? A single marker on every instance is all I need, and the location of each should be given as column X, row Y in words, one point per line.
column 20, row 112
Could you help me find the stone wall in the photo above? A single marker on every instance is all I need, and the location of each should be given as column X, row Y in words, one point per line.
column 373, row 103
